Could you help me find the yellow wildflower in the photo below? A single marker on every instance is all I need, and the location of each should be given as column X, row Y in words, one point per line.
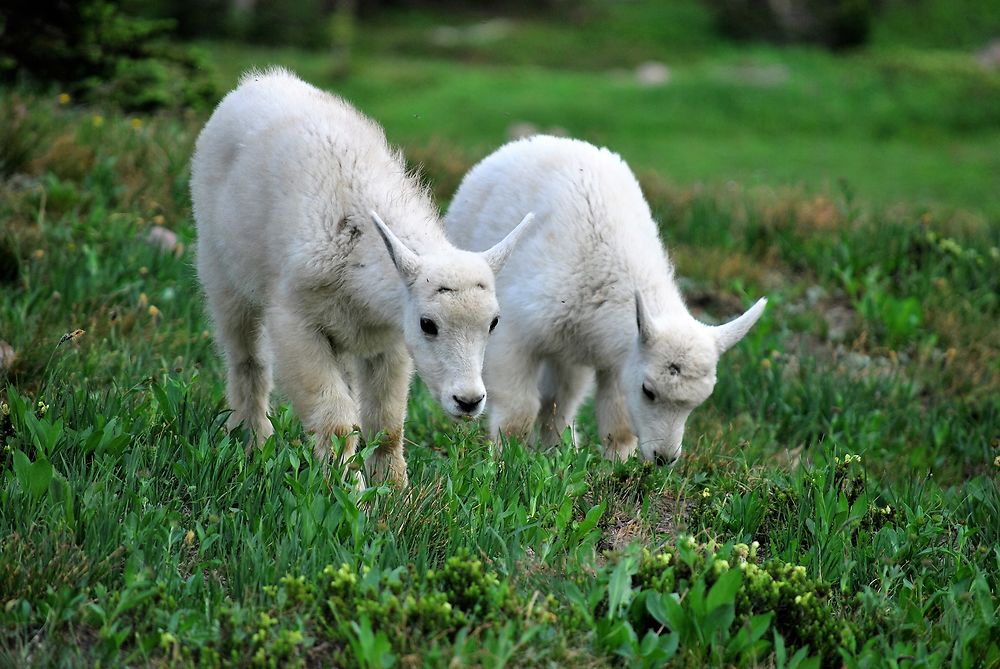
column 97, row 120
column 64, row 98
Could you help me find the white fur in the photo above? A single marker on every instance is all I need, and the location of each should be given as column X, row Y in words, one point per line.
column 299, row 270
column 592, row 294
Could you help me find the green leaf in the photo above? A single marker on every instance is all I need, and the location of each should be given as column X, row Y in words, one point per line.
column 759, row 625
column 33, row 476
column 620, row 586
column 675, row 614
column 39, row 477
column 725, row 589
column 22, row 465
column 591, row 519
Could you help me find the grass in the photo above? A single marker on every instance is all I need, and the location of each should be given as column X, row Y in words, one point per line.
column 854, row 436
column 898, row 126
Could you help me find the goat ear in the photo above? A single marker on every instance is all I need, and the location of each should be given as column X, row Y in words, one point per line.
column 406, row 261
column 497, row 256
column 643, row 319
column 727, row 334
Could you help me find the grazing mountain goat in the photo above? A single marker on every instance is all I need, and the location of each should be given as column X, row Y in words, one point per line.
column 286, row 182
column 594, row 293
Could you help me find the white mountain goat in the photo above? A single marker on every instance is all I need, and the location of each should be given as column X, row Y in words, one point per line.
column 286, row 182
column 590, row 293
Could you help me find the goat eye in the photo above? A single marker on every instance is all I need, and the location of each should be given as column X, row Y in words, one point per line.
column 428, row 326
column 493, row 325
column 650, row 395
column 675, row 369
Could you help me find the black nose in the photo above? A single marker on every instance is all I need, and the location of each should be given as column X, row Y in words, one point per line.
column 468, row 405
column 662, row 459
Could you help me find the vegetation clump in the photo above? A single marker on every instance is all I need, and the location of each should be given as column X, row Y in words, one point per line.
column 96, row 51
column 704, row 579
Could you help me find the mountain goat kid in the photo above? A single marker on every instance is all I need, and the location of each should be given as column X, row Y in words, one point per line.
column 594, row 294
column 286, row 182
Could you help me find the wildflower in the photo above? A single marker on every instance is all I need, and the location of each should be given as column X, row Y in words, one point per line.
column 189, row 537
column 706, row 493
column 154, row 312
column 97, row 121
column 39, row 254
column 42, row 408
column 167, row 639
column 143, row 271
column 996, row 461
column 64, row 99
column 766, row 363
column 4, row 408
column 143, row 300
column 136, row 123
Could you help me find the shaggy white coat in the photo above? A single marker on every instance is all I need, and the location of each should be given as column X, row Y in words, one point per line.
column 590, row 294
column 288, row 185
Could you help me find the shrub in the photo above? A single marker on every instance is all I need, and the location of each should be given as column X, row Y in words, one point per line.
column 92, row 49
column 833, row 23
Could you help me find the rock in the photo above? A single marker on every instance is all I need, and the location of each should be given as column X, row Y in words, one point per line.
column 521, row 129
column 652, row 73
column 7, row 355
column 989, row 56
column 164, row 238
column 477, row 34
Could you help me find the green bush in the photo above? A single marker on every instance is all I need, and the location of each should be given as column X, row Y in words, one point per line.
column 836, row 23
column 95, row 51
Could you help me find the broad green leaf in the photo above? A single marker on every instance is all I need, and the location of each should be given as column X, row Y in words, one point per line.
column 36, row 476
column 591, row 519
column 759, row 625
column 620, row 586
column 22, row 465
column 725, row 589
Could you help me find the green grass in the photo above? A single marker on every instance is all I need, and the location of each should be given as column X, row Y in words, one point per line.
column 135, row 531
column 899, row 126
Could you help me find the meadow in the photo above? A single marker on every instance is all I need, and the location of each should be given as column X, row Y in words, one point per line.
column 838, row 502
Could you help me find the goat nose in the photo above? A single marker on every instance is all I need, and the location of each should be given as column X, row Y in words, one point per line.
column 663, row 459
column 468, row 404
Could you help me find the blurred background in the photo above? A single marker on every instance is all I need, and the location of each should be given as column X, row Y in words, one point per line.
column 891, row 101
